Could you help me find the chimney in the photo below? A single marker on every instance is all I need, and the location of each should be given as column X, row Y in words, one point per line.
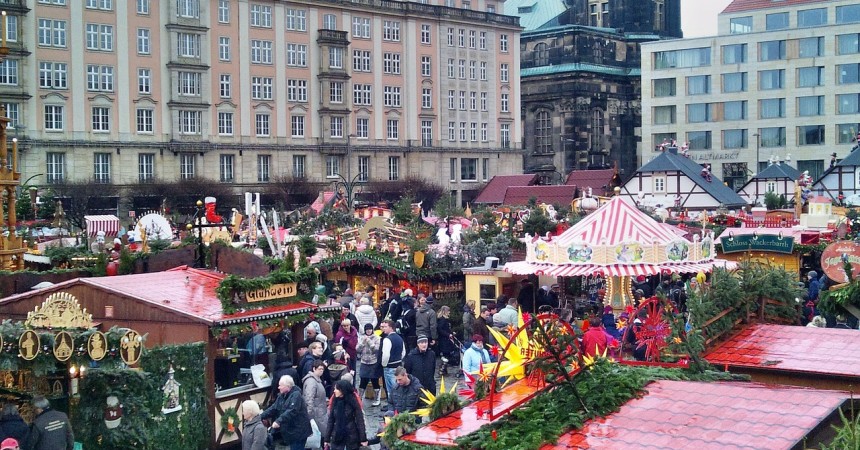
column 491, row 262
column 673, row 150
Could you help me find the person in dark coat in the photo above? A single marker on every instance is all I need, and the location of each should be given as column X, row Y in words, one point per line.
column 345, row 314
column 482, row 323
column 13, row 426
column 404, row 397
column 283, row 366
column 407, row 325
column 526, row 297
column 50, row 429
column 346, row 430
column 315, row 353
column 253, row 432
column 421, row 362
column 289, row 415
column 447, row 348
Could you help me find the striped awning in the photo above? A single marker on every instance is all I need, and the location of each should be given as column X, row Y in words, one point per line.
column 614, row 270
column 107, row 223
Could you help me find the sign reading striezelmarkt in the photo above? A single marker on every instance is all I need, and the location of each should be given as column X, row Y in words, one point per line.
column 761, row 243
column 275, row 291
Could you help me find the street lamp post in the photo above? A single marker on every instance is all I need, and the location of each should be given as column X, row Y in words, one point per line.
column 348, row 184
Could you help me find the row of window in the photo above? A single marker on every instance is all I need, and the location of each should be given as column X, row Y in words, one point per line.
column 776, row 50
column 805, row 18
column 767, row 80
column 102, row 165
column 768, row 137
column 190, row 122
column 458, row 101
column 102, row 162
column 771, row 108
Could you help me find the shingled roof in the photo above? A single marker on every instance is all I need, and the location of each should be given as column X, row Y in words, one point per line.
column 671, row 162
column 494, row 192
column 777, row 171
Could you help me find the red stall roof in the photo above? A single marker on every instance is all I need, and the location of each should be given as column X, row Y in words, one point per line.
column 827, row 351
column 184, row 290
column 494, row 191
column 704, row 416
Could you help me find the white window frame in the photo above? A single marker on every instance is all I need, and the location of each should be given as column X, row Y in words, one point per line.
column 54, row 116
column 224, row 48
column 100, row 119
column 225, row 85
column 223, row 11
column 659, row 184
column 226, row 166
column 145, row 120
column 144, row 81
column 53, row 75
column 144, row 45
column 393, row 168
column 262, row 124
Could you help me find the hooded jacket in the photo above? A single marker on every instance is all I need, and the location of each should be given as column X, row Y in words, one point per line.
column 365, row 314
column 425, row 322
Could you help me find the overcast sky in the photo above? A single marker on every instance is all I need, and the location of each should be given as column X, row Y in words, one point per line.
column 699, row 17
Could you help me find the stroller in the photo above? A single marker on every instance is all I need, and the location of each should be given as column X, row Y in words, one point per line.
column 450, row 354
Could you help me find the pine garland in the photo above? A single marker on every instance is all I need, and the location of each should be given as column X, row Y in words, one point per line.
column 233, row 285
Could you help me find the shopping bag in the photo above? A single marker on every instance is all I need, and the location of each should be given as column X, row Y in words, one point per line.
column 261, row 378
column 315, row 440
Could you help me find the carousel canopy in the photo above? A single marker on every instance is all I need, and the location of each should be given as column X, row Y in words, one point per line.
column 617, row 240
column 616, row 222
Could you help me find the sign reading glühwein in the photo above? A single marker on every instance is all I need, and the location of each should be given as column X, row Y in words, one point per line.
column 275, row 291
column 760, row 243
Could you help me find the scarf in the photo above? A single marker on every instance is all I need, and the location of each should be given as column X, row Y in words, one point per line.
column 480, row 350
column 341, row 429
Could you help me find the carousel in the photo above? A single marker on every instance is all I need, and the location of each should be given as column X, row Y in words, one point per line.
column 618, row 242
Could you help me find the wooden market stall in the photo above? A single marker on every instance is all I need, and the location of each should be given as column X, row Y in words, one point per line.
column 181, row 306
column 388, row 275
column 777, row 246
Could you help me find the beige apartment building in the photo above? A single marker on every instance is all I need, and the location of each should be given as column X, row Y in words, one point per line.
column 779, row 80
column 241, row 92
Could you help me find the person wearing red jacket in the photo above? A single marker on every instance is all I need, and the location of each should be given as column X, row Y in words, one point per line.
column 594, row 341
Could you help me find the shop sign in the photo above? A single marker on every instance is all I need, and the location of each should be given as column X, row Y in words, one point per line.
column 275, row 291
column 763, row 243
column 834, row 257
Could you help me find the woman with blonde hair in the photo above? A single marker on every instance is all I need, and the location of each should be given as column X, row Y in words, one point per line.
column 254, row 432
column 447, row 347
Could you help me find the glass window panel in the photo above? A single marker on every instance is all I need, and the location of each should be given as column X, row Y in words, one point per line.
column 848, row 43
column 772, row 137
column 772, row 108
column 811, row 17
column 810, row 135
column 810, row 106
column 700, row 84
column 811, row 47
column 734, row 138
column 734, row 54
column 848, row 103
column 740, row 25
column 735, row 110
column 664, row 87
column 810, row 76
column 777, row 21
column 771, row 50
column 735, row 82
column 664, row 115
column 848, row 14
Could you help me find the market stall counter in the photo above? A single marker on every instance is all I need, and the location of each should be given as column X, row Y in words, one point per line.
column 183, row 306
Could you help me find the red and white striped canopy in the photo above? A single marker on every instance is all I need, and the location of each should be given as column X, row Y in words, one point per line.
column 614, row 223
column 107, row 223
column 614, row 270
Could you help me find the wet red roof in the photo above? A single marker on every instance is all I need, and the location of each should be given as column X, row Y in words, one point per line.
column 597, row 180
column 552, row 195
column 187, row 291
column 704, row 416
column 752, row 5
column 494, row 191
column 827, row 351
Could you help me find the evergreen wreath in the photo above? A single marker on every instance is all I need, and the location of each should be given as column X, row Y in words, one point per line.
column 229, row 421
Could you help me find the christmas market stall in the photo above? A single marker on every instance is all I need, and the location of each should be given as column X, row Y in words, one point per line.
column 619, row 243
column 166, row 356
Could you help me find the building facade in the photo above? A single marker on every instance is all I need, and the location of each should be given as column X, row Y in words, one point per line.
column 780, row 80
column 242, row 92
column 581, row 85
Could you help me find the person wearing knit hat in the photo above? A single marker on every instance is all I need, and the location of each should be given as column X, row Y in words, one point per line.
column 421, row 363
column 9, row 444
column 370, row 370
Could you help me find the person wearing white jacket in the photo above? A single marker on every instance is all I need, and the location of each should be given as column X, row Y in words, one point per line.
column 365, row 314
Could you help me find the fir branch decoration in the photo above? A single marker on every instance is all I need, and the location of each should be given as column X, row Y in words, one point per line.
column 233, row 286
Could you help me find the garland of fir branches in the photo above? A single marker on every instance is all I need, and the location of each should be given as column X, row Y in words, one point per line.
column 232, row 285
column 380, row 261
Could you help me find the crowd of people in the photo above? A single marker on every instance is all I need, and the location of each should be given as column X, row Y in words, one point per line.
column 340, row 365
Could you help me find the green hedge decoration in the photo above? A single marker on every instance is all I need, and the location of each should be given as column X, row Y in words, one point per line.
column 232, row 285
column 381, row 261
column 143, row 425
